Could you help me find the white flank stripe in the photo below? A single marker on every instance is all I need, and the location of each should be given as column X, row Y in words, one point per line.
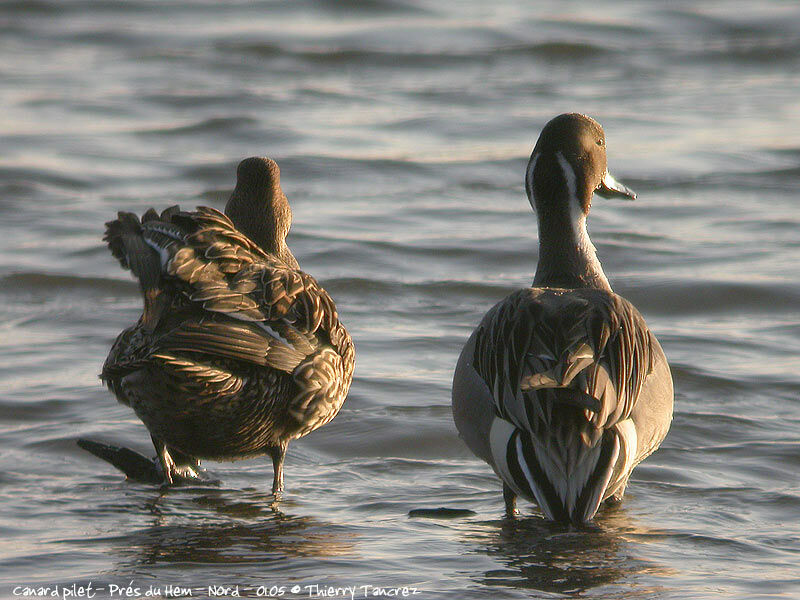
column 531, row 483
column 599, row 490
column 627, row 434
column 499, row 436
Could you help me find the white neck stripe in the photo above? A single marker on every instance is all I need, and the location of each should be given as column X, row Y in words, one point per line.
column 578, row 218
column 575, row 209
column 529, row 177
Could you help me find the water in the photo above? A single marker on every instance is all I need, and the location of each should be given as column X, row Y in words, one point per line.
column 402, row 128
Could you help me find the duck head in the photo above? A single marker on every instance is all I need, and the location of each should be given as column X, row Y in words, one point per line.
column 569, row 163
column 258, row 207
column 567, row 166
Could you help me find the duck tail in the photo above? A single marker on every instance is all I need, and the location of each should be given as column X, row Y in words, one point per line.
column 127, row 244
column 135, row 466
column 564, row 476
column 125, row 239
column 138, row 467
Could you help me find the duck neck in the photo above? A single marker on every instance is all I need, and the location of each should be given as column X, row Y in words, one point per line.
column 286, row 256
column 272, row 239
column 264, row 222
column 567, row 257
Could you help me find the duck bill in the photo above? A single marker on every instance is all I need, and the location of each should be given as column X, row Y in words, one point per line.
column 611, row 188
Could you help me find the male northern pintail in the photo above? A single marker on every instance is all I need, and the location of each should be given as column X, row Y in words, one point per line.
column 562, row 388
column 237, row 351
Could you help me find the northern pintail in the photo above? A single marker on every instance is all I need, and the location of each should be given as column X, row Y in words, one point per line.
column 562, row 388
column 237, row 351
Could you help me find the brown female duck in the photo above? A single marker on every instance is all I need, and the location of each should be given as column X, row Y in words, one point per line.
column 237, row 351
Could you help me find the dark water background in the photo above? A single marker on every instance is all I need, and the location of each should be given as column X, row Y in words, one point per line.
column 402, row 128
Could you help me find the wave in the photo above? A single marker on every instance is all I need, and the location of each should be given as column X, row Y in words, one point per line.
column 54, row 283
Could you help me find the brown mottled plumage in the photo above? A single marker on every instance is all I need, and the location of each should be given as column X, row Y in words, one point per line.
column 237, row 351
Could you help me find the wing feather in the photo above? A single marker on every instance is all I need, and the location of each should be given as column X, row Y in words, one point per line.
column 220, row 303
column 591, row 342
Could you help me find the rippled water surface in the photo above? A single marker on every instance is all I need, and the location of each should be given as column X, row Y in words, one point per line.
column 402, row 128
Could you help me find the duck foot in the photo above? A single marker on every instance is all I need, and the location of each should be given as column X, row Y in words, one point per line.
column 138, row 467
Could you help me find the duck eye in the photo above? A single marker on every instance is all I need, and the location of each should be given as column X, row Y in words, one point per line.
column 601, row 142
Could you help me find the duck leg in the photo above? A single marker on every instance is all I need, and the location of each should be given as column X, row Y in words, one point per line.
column 278, row 453
column 176, row 466
column 510, row 498
column 164, row 457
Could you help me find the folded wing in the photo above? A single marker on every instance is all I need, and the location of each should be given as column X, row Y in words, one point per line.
column 564, row 372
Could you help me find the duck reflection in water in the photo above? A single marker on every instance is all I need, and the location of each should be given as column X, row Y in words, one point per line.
column 557, row 558
column 209, row 526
